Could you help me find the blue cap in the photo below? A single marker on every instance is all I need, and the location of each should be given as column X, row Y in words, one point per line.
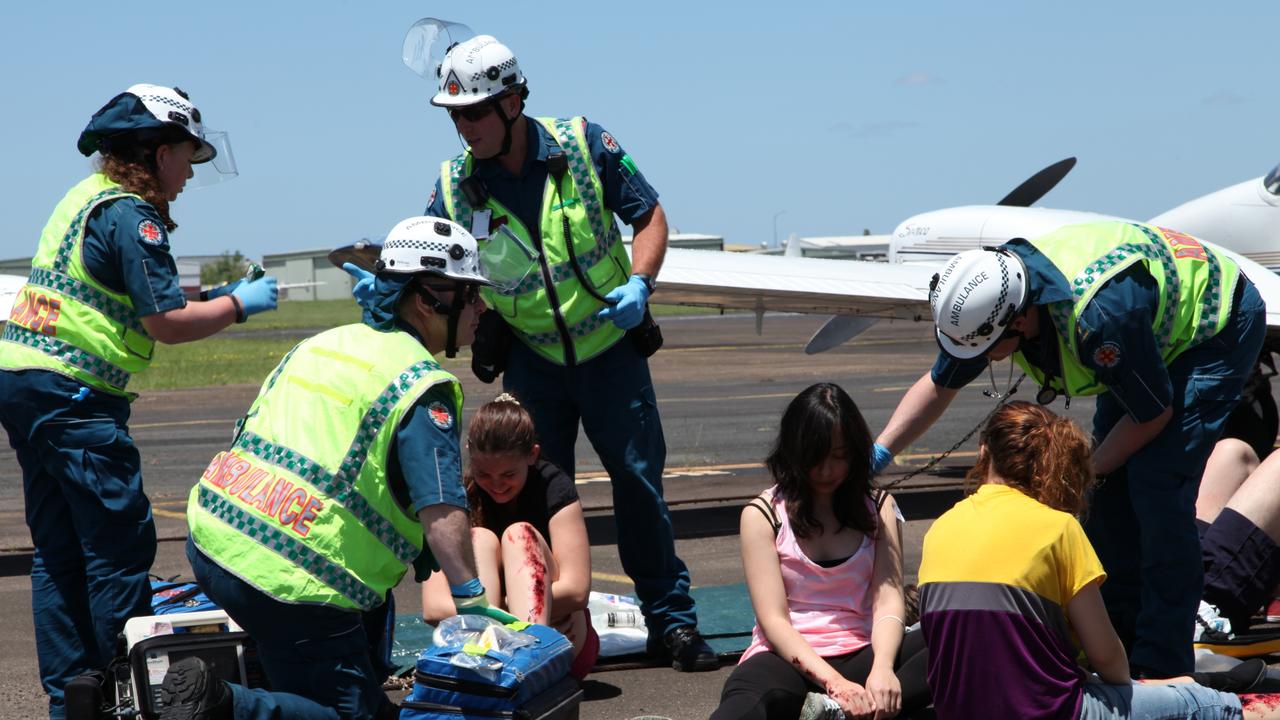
column 144, row 108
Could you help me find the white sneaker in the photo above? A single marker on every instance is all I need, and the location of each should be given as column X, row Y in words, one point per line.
column 1211, row 625
column 819, row 706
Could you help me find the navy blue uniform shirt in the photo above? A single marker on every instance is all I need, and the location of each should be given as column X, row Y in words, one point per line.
column 126, row 248
column 424, row 466
column 1113, row 334
column 626, row 193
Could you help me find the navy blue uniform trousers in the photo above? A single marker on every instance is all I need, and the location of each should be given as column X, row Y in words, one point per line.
column 1141, row 519
column 90, row 522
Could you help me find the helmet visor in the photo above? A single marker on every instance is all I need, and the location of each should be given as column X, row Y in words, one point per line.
column 507, row 261
column 218, row 168
column 427, row 42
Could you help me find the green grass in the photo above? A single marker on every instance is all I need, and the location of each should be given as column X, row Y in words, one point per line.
column 247, row 353
column 299, row 314
column 214, row 361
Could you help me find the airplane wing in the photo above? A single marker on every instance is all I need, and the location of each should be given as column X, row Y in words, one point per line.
column 708, row 278
column 1267, row 282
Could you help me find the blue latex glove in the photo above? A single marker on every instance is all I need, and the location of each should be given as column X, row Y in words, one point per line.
column 257, row 296
column 363, row 290
column 469, row 599
column 629, row 301
column 221, row 290
column 881, row 458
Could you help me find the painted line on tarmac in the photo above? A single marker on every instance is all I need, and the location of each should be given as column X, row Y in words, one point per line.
column 180, row 422
column 168, row 513
column 610, row 577
column 776, row 346
column 694, row 471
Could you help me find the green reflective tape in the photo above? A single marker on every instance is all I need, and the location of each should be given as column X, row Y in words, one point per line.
column 290, row 548
column 105, row 371
column 83, row 292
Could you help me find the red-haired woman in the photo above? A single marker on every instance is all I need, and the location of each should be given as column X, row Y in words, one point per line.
column 1009, row 581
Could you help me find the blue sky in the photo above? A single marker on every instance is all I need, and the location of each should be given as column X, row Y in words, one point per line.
column 840, row 115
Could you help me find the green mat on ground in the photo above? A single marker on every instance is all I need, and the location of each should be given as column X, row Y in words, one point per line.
column 724, row 617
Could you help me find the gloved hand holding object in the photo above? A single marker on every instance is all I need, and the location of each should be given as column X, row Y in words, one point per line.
column 363, row 290
column 629, row 301
column 255, row 296
column 469, row 599
column 881, row 458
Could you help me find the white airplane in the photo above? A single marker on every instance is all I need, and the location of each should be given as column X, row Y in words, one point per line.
column 1244, row 218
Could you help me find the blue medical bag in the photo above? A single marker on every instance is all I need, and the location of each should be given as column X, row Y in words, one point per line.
column 533, row 682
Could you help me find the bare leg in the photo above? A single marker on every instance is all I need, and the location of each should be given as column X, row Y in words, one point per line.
column 529, row 569
column 1261, row 706
column 488, row 563
column 1228, row 468
column 1258, row 499
column 574, row 627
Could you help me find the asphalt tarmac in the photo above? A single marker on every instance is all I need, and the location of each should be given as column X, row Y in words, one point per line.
column 721, row 390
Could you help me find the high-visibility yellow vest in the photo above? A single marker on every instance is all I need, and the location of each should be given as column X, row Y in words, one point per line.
column 1195, row 287
column 558, row 322
column 299, row 507
column 66, row 321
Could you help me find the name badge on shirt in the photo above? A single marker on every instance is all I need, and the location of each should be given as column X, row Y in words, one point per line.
column 480, row 224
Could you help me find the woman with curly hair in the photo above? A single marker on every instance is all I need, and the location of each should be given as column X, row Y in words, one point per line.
column 1009, row 583
column 103, row 290
column 528, row 531
column 823, row 559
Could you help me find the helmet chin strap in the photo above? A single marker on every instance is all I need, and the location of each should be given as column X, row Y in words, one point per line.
column 506, row 129
column 452, row 313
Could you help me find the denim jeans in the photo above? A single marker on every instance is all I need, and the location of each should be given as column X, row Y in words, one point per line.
column 1185, row 701
column 612, row 395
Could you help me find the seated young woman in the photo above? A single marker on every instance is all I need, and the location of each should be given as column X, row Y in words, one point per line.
column 528, row 530
column 1009, row 581
column 823, row 561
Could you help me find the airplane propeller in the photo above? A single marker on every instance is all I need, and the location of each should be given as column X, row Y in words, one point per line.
column 1038, row 185
column 840, row 329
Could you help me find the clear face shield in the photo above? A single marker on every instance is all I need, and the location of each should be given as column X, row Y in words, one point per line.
column 427, row 42
column 221, row 168
column 507, row 261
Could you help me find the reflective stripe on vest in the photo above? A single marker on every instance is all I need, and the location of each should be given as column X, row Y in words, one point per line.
column 277, row 541
column 1192, row 282
column 289, row 498
column 596, row 246
column 63, row 319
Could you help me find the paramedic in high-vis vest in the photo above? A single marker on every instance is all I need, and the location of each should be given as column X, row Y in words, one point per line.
column 345, row 470
column 582, row 333
column 1164, row 331
column 103, row 291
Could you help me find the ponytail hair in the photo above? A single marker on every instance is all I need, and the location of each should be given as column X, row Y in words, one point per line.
column 131, row 164
column 501, row 426
column 1046, row 456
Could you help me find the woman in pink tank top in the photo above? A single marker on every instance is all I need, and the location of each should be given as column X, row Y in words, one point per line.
column 823, row 563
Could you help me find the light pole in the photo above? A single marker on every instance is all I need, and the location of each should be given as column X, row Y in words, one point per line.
column 775, row 227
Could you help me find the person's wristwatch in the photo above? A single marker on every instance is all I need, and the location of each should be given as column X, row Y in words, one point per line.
column 649, row 283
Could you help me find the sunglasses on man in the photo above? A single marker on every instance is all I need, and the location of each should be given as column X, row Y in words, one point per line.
column 472, row 113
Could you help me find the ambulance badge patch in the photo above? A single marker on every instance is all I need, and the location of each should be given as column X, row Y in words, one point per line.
column 1107, row 354
column 150, row 232
column 440, row 415
column 609, row 143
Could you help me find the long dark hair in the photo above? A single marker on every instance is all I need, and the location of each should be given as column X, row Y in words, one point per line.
column 804, row 441
column 1046, row 456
